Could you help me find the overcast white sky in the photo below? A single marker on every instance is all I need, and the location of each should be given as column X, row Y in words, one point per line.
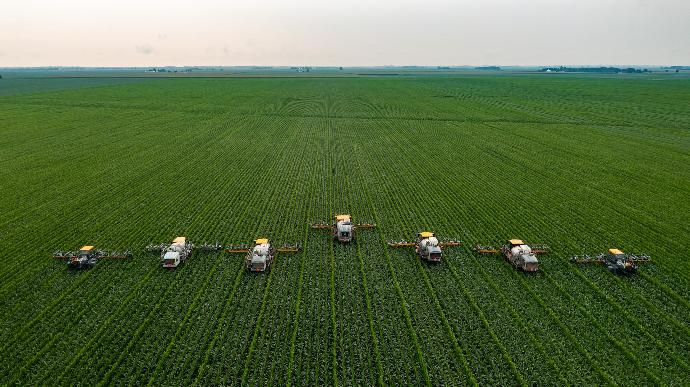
column 343, row 33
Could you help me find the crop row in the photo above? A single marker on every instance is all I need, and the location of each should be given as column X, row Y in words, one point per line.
column 472, row 159
column 444, row 184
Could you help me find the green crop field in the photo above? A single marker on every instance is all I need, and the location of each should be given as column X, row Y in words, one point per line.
column 581, row 163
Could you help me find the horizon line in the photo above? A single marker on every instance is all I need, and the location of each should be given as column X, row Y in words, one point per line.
column 258, row 66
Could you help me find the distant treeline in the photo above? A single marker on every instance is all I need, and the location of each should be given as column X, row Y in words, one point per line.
column 607, row 70
column 170, row 70
column 492, row 68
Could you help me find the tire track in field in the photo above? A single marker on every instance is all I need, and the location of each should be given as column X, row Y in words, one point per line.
column 181, row 325
column 446, row 325
column 63, row 294
column 300, row 287
column 614, row 204
column 334, row 321
column 441, row 185
column 200, row 215
column 114, row 367
column 273, row 193
column 199, row 219
column 411, row 172
column 143, row 174
column 473, row 304
column 401, row 299
column 521, row 321
column 633, row 321
column 626, row 353
column 293, row 336
column 268, row 340
column 408, row 320
column 458, row 351
column 102, row 327
column 620, row 345
column 617, row 306
column 370, row 318
column 201, row 369
column 400, row 209
column 248, row 358
column 290, row 186
column 24, row 368
column 552, row 314
column 403, row 303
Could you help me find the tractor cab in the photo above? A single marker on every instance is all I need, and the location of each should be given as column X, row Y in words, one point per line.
column 515, row 242
column 616, row 254
column 435, row 254
column 86, row 257
column 618, row 261
column 260, row 255
column 86, row 252
column 428, row 247
column 343, row 228
column 530, row 263
column 520, row 254
column 172, row 257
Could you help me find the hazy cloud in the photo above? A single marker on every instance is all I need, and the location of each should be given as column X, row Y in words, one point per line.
column 344, row 33
column 145, row 49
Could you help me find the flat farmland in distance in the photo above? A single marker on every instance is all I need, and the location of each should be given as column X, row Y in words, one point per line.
column 581, row 163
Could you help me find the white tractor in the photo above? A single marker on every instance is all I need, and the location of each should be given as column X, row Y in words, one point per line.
column 521, row 255
column 427, row 246
column 343, row 228
column 173, row 254
column 261, row 255
column 176, row 253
